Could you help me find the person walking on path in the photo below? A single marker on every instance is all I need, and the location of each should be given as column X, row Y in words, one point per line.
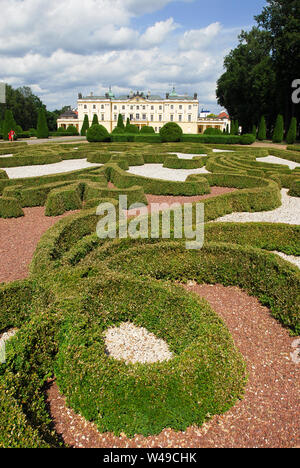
column 11, row 135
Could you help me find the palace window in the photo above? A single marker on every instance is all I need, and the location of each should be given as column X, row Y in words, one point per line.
column 123, row 107
column 102, row 106
column 180, row 107
column 115, row 117
column 152, row 107
column 102, row 116
column 180, row 117
column 137, row 116
column 85, row 106
column 172, row 107
column 144, row 117
column 152, row 117
column 160, row 118
column 160, row 107
column 189, row 118
column 190, row 107
column 172, row 117
column 94, row 106
column 115, row 107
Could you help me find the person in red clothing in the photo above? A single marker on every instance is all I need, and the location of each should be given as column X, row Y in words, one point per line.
column 11, row 135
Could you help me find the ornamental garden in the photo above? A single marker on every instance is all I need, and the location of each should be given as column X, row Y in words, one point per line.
column 85, row 298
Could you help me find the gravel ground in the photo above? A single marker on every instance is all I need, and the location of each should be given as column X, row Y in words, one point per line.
column 274, row 160
column 135, row 344
column 288, row 213
column 6, row 155
column 56, row 168
column 222, row 151
column 157, row 171
column 267, row 415
column 18, row 241
column 289, row 258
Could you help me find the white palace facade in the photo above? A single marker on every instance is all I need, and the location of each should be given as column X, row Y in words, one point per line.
column 143, row 109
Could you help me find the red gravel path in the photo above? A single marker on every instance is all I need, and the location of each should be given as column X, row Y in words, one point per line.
column 268, row 416
column 18, row 240
column 169, row 200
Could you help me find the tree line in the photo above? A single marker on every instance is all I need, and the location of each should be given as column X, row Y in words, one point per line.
column 25, row 107
column 256, row 87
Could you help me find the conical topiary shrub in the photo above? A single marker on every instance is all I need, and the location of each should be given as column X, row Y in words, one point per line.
column 42, row 127
column 95, row 120
column 262, row 131
column 292, row 133
column 85, row 126
column 120, row 122
column 278, row 133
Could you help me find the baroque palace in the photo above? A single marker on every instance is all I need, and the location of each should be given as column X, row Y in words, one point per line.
column 144, row 109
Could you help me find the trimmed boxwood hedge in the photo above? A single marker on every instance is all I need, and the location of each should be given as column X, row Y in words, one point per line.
column 295, row 188
column 63, row 199
column 272, row 280
column 10, row 208
column 173, row 162
column 155, row 186
column 206, row 375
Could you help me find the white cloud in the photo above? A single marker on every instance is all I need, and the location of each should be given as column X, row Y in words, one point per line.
column 62, row 47
column 157, row 33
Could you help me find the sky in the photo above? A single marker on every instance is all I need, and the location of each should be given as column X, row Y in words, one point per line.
column 62, row 47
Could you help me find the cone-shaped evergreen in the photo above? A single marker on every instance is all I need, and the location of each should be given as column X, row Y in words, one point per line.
column 120, row 122
column 262, row 131
column 292, row 133
column 237, row 127
column 95, row 120
column 85, row 126
column 128, row 122
column 42, row 127
column 278, row 130
column 232, row 127
column 8, row 124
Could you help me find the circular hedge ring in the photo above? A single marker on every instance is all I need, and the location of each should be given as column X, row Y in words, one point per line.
column 206, row 375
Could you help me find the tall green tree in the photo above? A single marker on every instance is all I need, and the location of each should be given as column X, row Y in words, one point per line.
column 262, row 131
column 95, row 120
column 254, row 130
column 292, row 133
column 85, row 126
column 120, row 123
column 8, row 124
column 260, row 70
column 42, row 127
column 278, row 133
column 281, row 20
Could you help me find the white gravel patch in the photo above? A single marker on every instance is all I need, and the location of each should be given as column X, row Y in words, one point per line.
column 274, row 160
column 188, row 156
column 47, row 169
column 157, row 171
column 289, row 258
column 135, row 344
column 6, row 155
column 3, row 340
column 288, row 213
column 222, row 151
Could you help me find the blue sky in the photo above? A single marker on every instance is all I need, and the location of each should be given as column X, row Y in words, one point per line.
column 192, row 15
column 63, row 47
